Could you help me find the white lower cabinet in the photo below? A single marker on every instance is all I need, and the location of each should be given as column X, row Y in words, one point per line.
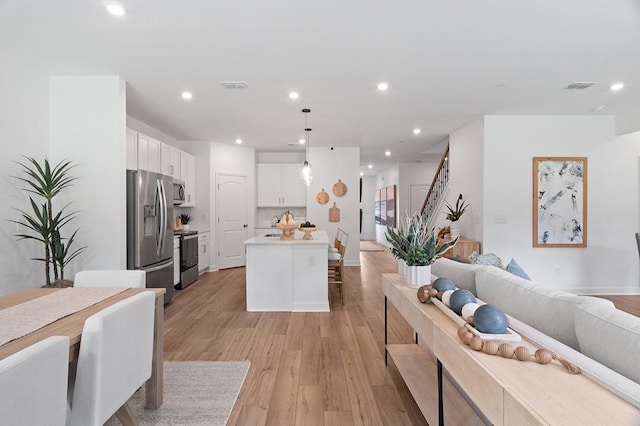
column 204, row 259
column 176, row 260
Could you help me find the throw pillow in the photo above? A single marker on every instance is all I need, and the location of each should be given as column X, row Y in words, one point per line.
column 516, row 269
column 460, row 259
column 487, row 259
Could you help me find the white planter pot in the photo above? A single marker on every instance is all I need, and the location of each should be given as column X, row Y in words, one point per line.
column 455, row 229
column 402, row 268
column 418, row 276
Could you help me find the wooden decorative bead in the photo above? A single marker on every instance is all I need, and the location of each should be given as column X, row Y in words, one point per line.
column 490, row 347
column 476, row 343
column 423, row 294
column 543, row 356
column 506, row 350
column 523, row 353
column 432, row 292
column 466, row 337
column 461, row 331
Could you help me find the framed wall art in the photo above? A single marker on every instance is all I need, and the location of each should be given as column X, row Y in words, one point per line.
column 377, row 208
column 560, row 202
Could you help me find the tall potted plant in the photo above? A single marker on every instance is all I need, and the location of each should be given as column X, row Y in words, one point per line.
column 418, row 247
column 454, row 214
column 44, row 222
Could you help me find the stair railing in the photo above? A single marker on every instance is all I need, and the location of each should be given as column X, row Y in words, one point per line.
column 437, row 191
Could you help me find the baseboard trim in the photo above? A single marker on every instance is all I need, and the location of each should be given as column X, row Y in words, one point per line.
column 605, row 291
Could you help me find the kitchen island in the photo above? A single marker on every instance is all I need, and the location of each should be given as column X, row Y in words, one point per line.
column 287, row 275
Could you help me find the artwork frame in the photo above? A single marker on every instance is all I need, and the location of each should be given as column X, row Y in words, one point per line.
column 391, row 205
column 377, row 207
column 560, row 202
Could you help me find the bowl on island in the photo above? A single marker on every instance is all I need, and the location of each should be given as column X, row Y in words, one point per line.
column 307, row 229
column 286, row 230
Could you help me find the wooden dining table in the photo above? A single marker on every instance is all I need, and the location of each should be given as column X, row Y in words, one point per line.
column 72, row 325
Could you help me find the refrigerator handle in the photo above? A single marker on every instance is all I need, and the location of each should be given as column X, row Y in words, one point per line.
column 158, row 203
column 159, row 267
column 163, row 212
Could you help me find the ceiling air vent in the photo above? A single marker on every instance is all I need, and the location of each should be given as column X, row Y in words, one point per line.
column 580, row 85
column 234, row 84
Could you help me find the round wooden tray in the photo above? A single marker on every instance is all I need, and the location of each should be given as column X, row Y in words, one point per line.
column 307, row 232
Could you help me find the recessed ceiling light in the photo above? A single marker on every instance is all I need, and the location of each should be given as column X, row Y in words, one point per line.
column 387, row 153
column 616, row 86
column 382, row 86
column 361, row 173
column 294, row 95
column 238, row 141
column 370, row 166
column 598, row 108
column 302, row 141
column 417, row 131
column 187, row 95
column 116, row 9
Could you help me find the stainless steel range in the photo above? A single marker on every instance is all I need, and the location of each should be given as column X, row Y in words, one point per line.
column 188, row 257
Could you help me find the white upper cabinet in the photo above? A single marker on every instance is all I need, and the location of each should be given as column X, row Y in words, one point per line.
column 279, row 185
column 148, row 153
column 132, row 150
column 188, row 176
column 170, row 161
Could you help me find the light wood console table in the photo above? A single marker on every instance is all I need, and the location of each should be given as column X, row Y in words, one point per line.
column 505, row 391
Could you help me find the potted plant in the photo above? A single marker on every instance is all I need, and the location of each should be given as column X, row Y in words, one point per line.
column 44, row 222
column 185, row 219
column 454, row 215
column 419, row 247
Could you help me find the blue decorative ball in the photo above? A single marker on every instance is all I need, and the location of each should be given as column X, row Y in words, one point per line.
column 459, row 298
column 443, row 284
column 490, row 319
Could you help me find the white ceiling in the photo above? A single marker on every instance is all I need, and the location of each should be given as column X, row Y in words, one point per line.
column 447, row 63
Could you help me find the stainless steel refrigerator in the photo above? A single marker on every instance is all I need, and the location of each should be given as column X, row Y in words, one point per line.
column 150, row 228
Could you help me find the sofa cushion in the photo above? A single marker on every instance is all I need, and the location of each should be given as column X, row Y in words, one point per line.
column 547, row 310
column 487, row 259
column 463, row 275
column 611, row 337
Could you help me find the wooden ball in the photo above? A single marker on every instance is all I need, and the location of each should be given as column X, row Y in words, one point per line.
column 461, row 331
column 523, row 353
column 476, row 343
column 423, row 294
column 466, row 337
column 506, row 350
column 544, row 356
column 490, row 347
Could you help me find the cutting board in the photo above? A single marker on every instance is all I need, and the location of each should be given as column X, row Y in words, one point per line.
column 322, row 197
column 339, row 188
column 334, row 213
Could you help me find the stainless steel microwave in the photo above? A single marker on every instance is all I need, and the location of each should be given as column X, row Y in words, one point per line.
column 178, row 192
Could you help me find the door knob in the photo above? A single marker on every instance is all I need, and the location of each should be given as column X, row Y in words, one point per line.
column 245, row 225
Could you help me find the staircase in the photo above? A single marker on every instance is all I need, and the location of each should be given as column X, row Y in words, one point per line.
column 438, row 191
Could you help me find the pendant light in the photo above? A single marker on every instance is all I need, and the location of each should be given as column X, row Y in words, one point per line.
column 305, row 172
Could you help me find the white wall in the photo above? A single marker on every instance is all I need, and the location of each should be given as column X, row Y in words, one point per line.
column 412, row 174
column 610, row 262
column 329, row 166
column 368, row 208
column 24, row 130
column 88, row 126
column 466, row 166
column 237, row 160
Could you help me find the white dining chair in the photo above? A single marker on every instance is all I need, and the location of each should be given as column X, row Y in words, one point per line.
column 110, row 278
column 33, row 384
column 116, row 351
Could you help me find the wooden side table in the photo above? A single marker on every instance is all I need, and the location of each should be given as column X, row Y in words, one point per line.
column 463, row 248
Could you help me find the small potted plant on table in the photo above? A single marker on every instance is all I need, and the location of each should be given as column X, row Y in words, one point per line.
column 454, row 215
column 185, row 219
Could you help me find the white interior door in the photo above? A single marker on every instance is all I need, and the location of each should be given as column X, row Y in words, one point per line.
column 418, row 194
column 232, row 220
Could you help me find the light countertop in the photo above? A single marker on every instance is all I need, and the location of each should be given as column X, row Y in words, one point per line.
column 319, row 237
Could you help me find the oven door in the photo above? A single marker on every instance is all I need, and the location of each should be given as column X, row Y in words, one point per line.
column 188, row 252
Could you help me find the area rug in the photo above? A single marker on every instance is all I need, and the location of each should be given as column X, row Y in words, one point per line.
column 370, row 246
column 195, row 393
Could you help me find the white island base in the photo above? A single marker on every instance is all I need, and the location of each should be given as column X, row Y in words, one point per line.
column 287, row 275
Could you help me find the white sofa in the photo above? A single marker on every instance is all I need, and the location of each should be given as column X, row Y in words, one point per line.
column 588, row 331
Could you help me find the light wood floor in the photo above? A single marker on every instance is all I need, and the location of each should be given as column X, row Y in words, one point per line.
column 306, row 368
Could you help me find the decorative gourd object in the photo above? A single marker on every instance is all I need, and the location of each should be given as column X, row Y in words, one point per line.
column 489, row 319
column 443, row 284
column 446, row 295
column 459, row 298
column 287, row 218
column 423, row 293
column 468, row 310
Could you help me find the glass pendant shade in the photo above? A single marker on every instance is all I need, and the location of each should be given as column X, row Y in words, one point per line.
column 305, row 172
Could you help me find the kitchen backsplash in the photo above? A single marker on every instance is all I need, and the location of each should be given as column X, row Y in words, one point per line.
column 267, row 216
